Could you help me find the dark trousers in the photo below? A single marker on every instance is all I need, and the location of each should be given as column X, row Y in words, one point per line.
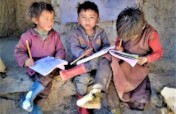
column 102, row 76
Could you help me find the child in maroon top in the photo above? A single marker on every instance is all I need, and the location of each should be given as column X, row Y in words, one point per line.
column 43, row 42
column 138, row 37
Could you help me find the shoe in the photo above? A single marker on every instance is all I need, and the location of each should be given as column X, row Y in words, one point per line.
column 36, row 109
column 83, row 111
column 80, row 109
column 91, row 100
column 25, row 103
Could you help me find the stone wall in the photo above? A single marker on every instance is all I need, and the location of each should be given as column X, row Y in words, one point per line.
column 14, row 17
column 22, row 19
column 14, row 20
column 161, row 14
column 7, row 17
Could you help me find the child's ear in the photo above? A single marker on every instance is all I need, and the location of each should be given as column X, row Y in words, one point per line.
column 35, row 20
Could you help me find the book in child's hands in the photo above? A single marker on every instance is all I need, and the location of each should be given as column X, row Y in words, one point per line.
column 46, row 65
column 95, row 55
column 132, row 59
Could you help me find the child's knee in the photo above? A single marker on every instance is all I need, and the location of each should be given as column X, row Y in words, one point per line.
column 83, row 79
column 81, row 83
column 81, row 88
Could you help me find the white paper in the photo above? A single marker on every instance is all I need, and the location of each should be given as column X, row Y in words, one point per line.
column 95, row 55
column 46, row 65
column 131, row 61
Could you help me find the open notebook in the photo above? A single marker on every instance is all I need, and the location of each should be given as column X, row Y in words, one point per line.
column 46, row 65
column 132, row 59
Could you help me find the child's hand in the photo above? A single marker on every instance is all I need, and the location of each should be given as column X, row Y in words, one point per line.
column 29, row 62
column 119, row 48
column 142, row 60
column 88, row 52
column 57, row 57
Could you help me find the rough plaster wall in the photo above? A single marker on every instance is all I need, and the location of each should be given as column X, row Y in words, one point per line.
column 66, row 29
column 162, row 15
column 14, row 17
column 22, row 19
column 7, row 17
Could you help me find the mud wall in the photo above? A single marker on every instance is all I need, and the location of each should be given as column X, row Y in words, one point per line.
column 7, row 17
column 161, row 14
column 14, row 16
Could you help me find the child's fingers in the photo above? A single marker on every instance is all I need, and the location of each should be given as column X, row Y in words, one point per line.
column 119, row 48
column 88, row 52
column 29, row 62
column 32, row 62
column 142, row 60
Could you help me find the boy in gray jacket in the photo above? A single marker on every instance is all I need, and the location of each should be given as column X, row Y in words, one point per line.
column 87, row 39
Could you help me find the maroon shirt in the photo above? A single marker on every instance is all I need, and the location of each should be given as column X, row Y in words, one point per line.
column 154, row 44
column 39, row 48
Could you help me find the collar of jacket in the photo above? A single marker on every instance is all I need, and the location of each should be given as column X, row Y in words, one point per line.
column 33, row 32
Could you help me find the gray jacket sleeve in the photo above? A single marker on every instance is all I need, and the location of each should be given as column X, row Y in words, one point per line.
column 75, row 46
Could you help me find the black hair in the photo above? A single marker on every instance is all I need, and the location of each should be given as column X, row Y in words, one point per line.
column 36, row 9
column 130, row 22
column 87, row 5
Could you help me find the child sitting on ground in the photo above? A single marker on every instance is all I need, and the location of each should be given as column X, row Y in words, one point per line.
column 138, row 37
column 43, row 41
column 88, row 38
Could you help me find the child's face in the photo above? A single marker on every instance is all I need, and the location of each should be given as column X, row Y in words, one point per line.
column 45, row 21
column 88, row 19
